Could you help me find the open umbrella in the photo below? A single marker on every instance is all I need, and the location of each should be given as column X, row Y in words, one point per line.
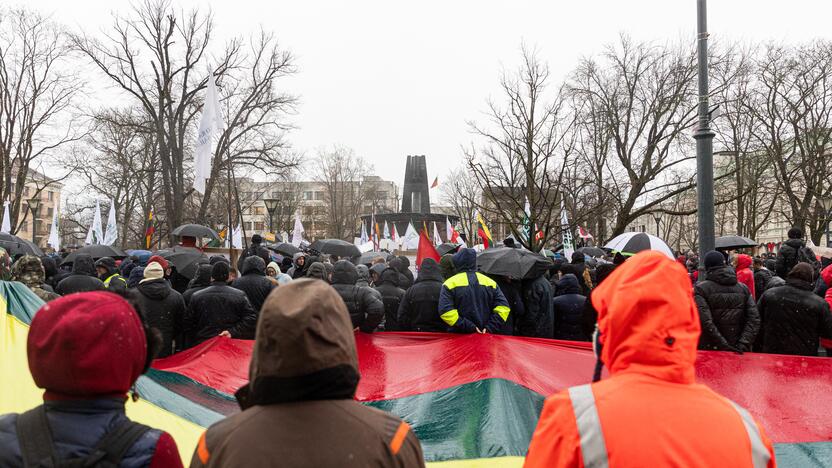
column 96, row 251
column 283, row 248
column 631, row 243
column 337, row 247
column 138, row 252
column 18, row 246
column 592, row 251
column 195, row 230
column 514, row 263
column 186, row 260
column 734, row 242
column 368, row 257
column 447, row 247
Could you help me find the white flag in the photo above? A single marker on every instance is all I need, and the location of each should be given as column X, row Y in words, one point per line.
column 297, row 233
column 449, row 230
column 568, row 246
column 237, row 238
column 95, row 234
column 410, row 241
column 7, row 220
column 54, row 236
column 284, row 236
column 437, row 239
column 363, row 239
column 111, row 235
column 386, row 231
column 211, row 120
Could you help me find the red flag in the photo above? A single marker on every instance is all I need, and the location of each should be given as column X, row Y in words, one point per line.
column 435, row 182
column 426, row 249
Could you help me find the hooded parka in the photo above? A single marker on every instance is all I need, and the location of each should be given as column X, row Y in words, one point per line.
column 254, row 282
column 417, row 311
column 650, row 411
column 364, row 304
column 727, row 310
column 82, row 279
column 298, row 408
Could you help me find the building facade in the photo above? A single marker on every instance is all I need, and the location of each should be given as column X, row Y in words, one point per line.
column 48, row 193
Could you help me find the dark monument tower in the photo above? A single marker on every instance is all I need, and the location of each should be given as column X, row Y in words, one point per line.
column 416, row 195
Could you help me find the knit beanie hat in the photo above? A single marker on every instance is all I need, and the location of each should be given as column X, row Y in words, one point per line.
column 714, row 259
column 153, row 271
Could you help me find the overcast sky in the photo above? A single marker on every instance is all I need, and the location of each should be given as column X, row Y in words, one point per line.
column 391, row 78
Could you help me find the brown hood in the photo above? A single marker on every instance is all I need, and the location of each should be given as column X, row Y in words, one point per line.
column 304, row 348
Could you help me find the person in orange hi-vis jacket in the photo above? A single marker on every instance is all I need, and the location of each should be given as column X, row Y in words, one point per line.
column 650, row 411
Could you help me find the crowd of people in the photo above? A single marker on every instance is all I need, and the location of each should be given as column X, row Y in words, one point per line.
column 303, row 312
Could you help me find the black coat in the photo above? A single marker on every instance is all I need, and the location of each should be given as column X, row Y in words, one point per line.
column 215, row 309
column 391, row 295
column 405, row 277
column 82, row 279
column 787, row 256
column 537, row 319
column 794, row 319
column 254, row 282
column 761, row 280
column 569, row 309
column 364, row 304
column 255, row 250
column 201, row 281
column 165, row 310
column 514, row 296
column 54, row 275
column 727, row 312
column 419, row 309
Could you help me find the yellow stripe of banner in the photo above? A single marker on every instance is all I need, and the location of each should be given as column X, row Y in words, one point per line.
column 18, row 392
column 497, row 462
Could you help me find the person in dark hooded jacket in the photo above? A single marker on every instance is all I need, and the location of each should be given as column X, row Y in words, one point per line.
column 417, row 310
column 446, row 266
column 363, row 275
column 54, row 275
column 396, row 264
column 794, row 319
column 164, row 308
column 136, row 275
column 569, row 309
column 729, row 317
column 29, row 270
column 219, row 310
column 405, row 270
column 317, row 270
column 255, row 249
column 471, row 301
column 298, row 264
column 298, row 408
column 201, row 280
column 109, row 274
column 511, row 290
column 537, row 318
column 253, row 282
column 82, row 279
column 789, row 253
column 364, row 305
column 391, row 295
column 762, row 276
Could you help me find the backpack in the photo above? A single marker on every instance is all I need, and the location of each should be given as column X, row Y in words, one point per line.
column 38, row 449
column 806, row 255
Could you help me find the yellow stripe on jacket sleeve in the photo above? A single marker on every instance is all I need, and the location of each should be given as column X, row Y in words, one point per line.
column 502, row 311
column 450, row 317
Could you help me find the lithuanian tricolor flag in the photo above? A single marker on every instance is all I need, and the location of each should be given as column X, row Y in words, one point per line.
column 473, row 400
column 484, row 232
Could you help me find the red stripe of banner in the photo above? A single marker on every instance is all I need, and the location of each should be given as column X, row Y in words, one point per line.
column 789, row 394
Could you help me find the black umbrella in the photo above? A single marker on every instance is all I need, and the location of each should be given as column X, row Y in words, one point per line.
column 447, row 247
column 592, row 251
column 195, row 230
column 514, row 263
column 734, row 242
column 368, row 257
column 18, row 246
column 96, row 251
column 337, row 247
column 283, row 248
column 631, row 243
column 186, row 260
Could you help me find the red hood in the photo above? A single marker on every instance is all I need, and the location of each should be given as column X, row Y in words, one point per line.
column 826, row 274
column 648, row 319
column 743, row 261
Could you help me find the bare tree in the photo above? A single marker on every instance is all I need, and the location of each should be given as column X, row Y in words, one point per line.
column 462, row 193
column 342, row 175
column 524, row 153
column 38, row 89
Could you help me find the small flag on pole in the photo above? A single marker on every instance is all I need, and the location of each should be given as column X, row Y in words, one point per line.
column 435, row 182
column 7, row 220
column 437, row 239
column 151, row 229
column 111, row 235
column 54, row 240
column 484, row 232
column 211, row 121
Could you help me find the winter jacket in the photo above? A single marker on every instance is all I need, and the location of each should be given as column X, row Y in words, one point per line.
column 727, row 312
column 83, row 277
column 417, row 311
column 29, row 270
column 397, row 265
column 470, row 300
column 164, row 310
column 514, row 297
column 793, row 320
column 254, row 282
column 363, row 276
column 112, row 278
column 788, row 256
column 215, row 309
column 391, row 296
column 255, row 250
column 761, row 280
column 821, row 286
column 299, row 407
column 297, row 270
column 569, row 310
column 54, row 275
column 827, row 277
column 745, row 275
column 649, row 412
column 537, row 320
column 364, row 305
column 201, row 281
column 136, row 275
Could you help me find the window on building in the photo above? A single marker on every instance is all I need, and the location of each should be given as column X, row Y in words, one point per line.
column 307, row 195
column 50, row 211
column 259, row 226
column 50, row 195
column 248, row 225
column 319, row 195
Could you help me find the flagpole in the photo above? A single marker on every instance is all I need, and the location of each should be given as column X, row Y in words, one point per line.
column 239, row 205
column 229, row 228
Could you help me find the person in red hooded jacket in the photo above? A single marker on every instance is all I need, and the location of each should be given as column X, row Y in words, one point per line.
column 650, row 411
column 742, row 264
column 86, row 351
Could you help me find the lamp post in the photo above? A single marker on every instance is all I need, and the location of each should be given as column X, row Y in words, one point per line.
column 657, row 217
column 826, row 204
column 34, row 204
column 271, row 207
column 704, row 143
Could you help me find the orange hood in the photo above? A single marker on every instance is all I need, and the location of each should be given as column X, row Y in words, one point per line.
column 648, row 319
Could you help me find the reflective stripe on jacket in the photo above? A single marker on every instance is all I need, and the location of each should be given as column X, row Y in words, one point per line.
column 471, row 300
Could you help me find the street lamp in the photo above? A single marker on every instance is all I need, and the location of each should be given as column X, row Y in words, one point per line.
column 658, row 218
column 826, row 204
column 34, row 204
column 271, row 207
